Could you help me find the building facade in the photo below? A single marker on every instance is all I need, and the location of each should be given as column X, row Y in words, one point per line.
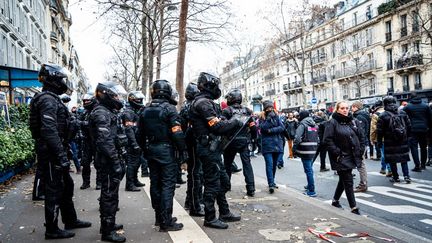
column 358, row 50
column 33, row 32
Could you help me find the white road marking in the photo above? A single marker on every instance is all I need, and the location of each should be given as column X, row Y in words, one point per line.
column 191, row 231
column 427, row 182
column 426, row 221
column 387, row 191
column 416, row 187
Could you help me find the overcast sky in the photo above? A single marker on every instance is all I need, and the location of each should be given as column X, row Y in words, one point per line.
column 87, row 34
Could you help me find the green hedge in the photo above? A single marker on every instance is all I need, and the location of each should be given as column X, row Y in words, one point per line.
column 391, row 5
column 16, row 143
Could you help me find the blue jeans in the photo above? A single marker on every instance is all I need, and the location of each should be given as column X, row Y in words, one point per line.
column 74, row 148
column 281, row 160
column 384, row 165
column 307, row 166
column 271, row 160
column 394, row 170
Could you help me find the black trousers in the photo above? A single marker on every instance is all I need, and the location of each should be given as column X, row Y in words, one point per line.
column 109, row 198
column 242, row 147
column 87, row 158
column 216, row 182
column 162, row 186
column 144, row 165
column 39, row 181
column 194, row 192
column 346, row 183
column 415, row 140
column 322, row 152
column 133, row 164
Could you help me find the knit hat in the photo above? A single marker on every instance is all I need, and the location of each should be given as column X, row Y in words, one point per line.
column 267, row 104
column 303, row 114
column 358, row 104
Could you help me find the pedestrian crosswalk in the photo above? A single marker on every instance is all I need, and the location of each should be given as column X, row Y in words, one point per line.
column 407, row 199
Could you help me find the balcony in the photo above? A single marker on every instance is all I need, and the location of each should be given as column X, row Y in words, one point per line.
column 319, row 59
column 388, row 36
column 270, row 92
column 350, row 71
column 404, row 31
column 409, row 63
column 415, row 28
column 319, row 79
column 285, row 87
column 269, row 77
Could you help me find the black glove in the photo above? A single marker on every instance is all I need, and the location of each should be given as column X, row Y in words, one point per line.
column 118, row 169
column 65, row 163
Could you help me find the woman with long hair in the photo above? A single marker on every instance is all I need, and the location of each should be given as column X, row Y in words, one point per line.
column 345, row 143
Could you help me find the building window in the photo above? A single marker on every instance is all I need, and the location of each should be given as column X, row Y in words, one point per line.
column 404, row 30
column 345, row 91
column 417, row 81
column 389, row 59
column 333, row 50
column 355, row 19
column 369, row 37
column 405, row 83
column 355, row 42
column 404, row 49
column 343, row 47
column 388, row 33
column 417, row 46
column 415, row 21
column 390, row 85
column 372, row 86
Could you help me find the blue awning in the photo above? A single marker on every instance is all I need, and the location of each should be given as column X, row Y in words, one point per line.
column 20, row 78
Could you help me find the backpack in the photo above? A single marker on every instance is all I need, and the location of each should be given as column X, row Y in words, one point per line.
column 397, row 127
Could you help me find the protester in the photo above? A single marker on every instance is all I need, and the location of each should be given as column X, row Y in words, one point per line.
column 364, row 119
column 378, row 109
column 420, row 116
column 393, row 130
column 321, row 120
column 271, row 142
column 290, row 127
column 305, row 145
column 345, row 143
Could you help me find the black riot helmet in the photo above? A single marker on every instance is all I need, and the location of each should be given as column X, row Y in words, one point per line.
column 65, row 98
column 89, row 101
column 191, row 91
column 389, row 100
column 161, row 89
column 135, row 99
column 209, row 83
column 174, row 97
column 54, row 78
column 234, row 97
column 110, row 94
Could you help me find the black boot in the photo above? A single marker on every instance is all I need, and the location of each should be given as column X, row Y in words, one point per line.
column 230, row 217
column 116, row 227
column 173, row 220
column 199, row 213
column 132, row 188
column 216, row 223
column 85, row 186
column 139, row 184
column 78, row 224
column 98, row 186
column 109, row 232
column 171, row 227
column 39, row 198
column 58, row 234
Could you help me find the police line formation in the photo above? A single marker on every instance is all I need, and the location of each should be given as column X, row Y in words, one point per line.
column 119, row 139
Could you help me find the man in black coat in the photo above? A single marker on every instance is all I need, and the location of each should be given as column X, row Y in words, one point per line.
column 208, row 126
column 420, row 117
column 107, row 138
column 49, row 125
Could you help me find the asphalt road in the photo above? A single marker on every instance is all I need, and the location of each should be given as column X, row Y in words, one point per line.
column 407, row 207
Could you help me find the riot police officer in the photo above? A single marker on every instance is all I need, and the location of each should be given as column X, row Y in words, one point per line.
column 240, row 144
column 129, row 119
column 49, row 124
column 104, row 132
column 206, row 121
column 194, row 176
column 88, row 151
column 159, row 134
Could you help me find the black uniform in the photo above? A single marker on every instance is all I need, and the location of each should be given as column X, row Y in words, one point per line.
column 88, row 152
column 104, row 132
column 194, row 192
column 241, row 145
column 129, row 119
column 205, row 118
column 159, row 133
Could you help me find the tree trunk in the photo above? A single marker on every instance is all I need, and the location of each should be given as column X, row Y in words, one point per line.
column 151, row 46
column 160, row 38
column 181, row 49
column 245, row 97
column 144, row 86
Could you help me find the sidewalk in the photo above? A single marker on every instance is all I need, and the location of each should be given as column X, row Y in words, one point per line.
column 284, row 216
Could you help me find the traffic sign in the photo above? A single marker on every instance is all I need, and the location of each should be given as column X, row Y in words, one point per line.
column 314, row 100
